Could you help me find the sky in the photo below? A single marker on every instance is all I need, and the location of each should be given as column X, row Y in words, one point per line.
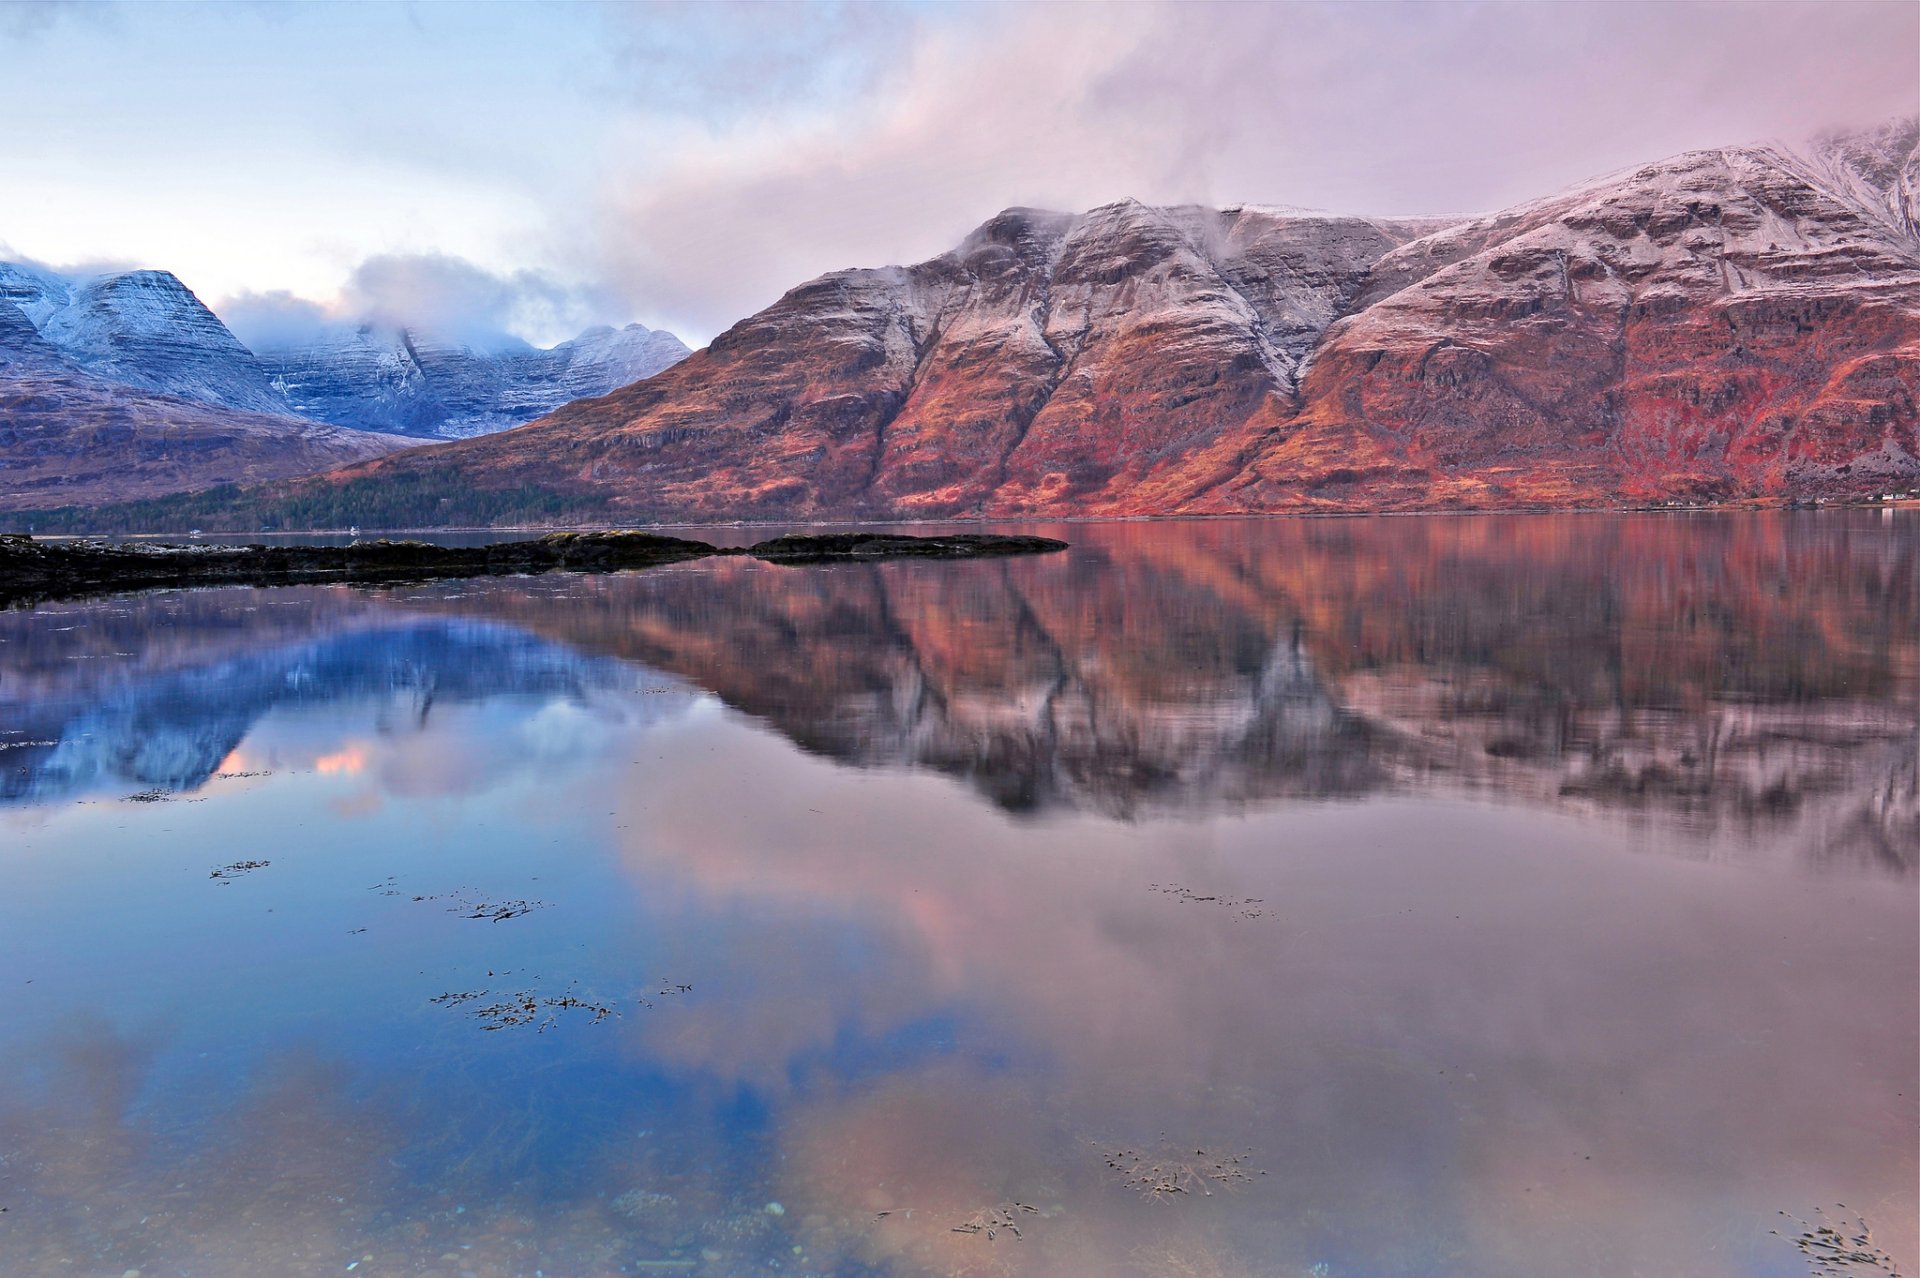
column 536, row 169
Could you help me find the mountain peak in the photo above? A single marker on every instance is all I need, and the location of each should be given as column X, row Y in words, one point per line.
column 433, row 385
column 1727, row 323
column 147, row 329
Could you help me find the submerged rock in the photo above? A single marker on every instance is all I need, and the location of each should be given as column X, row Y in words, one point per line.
column 819, row 548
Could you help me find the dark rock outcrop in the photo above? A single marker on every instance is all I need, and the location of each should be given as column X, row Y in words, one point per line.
column 32, row 570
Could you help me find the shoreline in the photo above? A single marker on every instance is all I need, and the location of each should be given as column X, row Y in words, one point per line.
column 1752, row 506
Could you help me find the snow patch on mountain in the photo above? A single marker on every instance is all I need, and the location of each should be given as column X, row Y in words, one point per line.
column 22, row 348
column 396, row 379
column 147, row 330
column 36, row 293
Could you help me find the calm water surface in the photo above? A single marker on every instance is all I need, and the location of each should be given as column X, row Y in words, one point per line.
column 1478, row 897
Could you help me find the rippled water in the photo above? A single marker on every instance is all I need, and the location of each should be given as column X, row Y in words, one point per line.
column 1495, row 896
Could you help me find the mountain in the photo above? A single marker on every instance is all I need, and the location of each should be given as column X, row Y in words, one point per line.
column 1109, row 344
column 1725, row 324
column 145, row 329
column 37, row 294
column 1731, row 323
column 127, row 387
column 69, row 438
column 408, row 382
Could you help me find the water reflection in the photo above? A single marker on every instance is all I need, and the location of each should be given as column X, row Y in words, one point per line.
column 1744, row 676
column 927, row 894
column 126, row 716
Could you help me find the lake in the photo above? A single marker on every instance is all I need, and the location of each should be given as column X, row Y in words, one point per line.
column 1312, row 898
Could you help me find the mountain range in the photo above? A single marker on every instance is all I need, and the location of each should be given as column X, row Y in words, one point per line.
column 126, row 384
column 1728, row 324
column 410, row 382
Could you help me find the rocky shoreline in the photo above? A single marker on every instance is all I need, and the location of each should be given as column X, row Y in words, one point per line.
column 32, row 570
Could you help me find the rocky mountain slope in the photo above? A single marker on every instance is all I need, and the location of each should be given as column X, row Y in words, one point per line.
column 145, row 329
column 1724, row 324
column 409, row 382
column 70, row 437
column 1731, row 323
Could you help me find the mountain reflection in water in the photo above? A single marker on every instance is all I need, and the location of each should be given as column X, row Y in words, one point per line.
column 1293, row 842
column 1756, row 674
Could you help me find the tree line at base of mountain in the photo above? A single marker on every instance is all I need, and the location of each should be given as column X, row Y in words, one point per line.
column 408, row 501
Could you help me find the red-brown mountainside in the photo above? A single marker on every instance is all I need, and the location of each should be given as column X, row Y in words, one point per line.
column 1723, row 324
column 1050, row 362
column 1738, row 323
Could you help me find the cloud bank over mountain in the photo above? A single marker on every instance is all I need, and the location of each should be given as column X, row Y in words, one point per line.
column 1394, row 109
column 434, row 292
column 697, row 159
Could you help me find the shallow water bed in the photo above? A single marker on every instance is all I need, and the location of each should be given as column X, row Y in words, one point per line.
column 1472, row 897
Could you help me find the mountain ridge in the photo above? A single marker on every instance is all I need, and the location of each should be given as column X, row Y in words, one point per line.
column 1736, row 323
column 1723, row 324
column 409, row 381
column 147, row 330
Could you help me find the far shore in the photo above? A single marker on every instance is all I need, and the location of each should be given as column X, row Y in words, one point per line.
column 1008, row 521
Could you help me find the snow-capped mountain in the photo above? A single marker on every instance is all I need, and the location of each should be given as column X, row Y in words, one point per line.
column 1734, row 323
column 36, row 293
column 407, row 381
column 85, row 416
column 146, row 329
column 127, row 386
column 1879, row 167
column 22, row 347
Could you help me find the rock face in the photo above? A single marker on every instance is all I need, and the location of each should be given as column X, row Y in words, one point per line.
column 145, row 329
column 81, row 422
column 1724, row 324
column 407, row 382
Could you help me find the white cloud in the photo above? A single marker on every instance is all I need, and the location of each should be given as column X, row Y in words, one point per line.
column 434, row 293
column 698, row 159
column 1381, row 108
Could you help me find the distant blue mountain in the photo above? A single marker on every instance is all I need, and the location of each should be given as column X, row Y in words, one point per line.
column 147, row 331
column 408, row 382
